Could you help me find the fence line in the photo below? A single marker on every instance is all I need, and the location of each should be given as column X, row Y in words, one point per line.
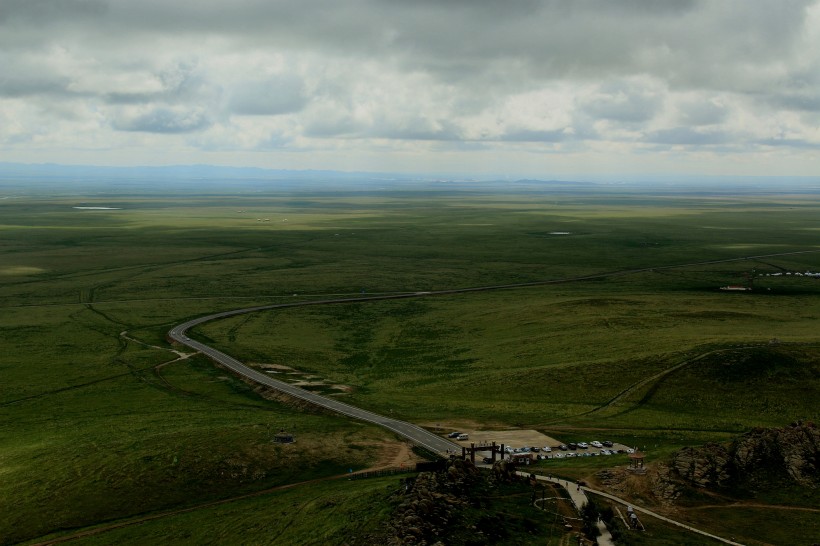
column 380, row 473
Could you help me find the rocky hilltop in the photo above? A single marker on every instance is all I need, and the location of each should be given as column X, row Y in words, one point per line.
column 756, row 459
column 431, row 503
column 458, row 505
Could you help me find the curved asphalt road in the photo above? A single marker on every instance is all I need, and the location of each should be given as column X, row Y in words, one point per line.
column 414, row 433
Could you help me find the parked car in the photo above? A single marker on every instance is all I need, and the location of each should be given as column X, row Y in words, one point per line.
column 487, row 460
column 546, row 449
column 607, row 443
column 563, row 447
column 535, row 449
column 596, row 443
column 462, row 437
column 583, row 445
column 572, row 445
column 453, row 435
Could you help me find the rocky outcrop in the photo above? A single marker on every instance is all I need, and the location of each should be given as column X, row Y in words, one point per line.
column 655, row 486
column 703, row 466
column 504, row 471
column 431, row 504
column 756, row 458
column 662, row 487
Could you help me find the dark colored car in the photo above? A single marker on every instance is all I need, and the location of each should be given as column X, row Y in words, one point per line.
column 607, row 443
column 563, row 447
column 487, row 460
column 453, row 435
column 572, row 445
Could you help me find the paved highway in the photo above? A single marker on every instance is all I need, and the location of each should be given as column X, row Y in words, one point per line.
column 414, row 433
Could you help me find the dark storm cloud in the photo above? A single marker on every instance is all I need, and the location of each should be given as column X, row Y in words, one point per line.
column 687, row 43
column 790, row 143
column 165, row 120
column 337, row 126
column 180, row 82
column 48, row 11
column 22, row 86
column 800, row 101
column 801, row 93
column 684, row 40
column 687, row 136
column 702, row 112
column 524, row 135
column 272, row 96
column 24, row 75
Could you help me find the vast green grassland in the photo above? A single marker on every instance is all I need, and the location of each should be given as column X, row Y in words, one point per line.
column 97, row 426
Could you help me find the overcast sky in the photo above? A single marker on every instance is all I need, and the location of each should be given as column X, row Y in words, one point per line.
column 535, row 87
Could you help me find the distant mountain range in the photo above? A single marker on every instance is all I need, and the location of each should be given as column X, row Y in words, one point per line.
column 20, row 173
column 188, row 172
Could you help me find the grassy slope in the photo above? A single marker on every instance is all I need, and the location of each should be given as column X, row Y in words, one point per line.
column 543, row 357
column 140, row 442
column 332, row 512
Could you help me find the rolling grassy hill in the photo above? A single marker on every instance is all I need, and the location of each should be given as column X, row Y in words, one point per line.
column 97, row 426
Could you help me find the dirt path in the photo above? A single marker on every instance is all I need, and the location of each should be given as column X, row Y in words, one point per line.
column 181, row 354
column 394, row 455
column 658, row 516
column 752, row 505
column 143, row 519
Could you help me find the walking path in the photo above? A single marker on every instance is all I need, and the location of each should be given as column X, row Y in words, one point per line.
column 578, row 495
column 662, row 518
column 579, row 498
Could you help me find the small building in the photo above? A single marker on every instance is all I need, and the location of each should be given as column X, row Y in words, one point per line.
column 521, row 458
column 636, row 463
column 283, row 438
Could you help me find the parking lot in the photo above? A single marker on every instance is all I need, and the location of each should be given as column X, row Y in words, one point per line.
column 515, row 440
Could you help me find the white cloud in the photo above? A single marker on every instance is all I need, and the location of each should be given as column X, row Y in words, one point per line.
column 441, row 82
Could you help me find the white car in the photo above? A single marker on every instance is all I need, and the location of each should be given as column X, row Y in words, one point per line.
column 583, row 445
column 546, row 449
column 596, row 443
